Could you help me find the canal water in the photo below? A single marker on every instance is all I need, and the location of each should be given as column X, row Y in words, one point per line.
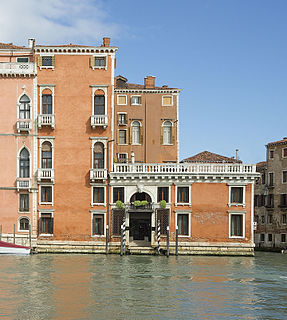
column 143, row 287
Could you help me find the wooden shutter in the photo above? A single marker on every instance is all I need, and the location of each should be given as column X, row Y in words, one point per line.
column 173, row 134
column 130, row 135
column 161, row 135
column 53, row 61
column 39, row 61
column 92, row 62
column 118, row 118
column 141, row 135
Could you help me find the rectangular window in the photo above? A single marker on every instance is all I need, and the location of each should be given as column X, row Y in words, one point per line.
column 236, row 225
column 167, row 100
column 163, row 194
column 263, row 219
column 284, row 176
column 23, row 59
column 183, row 194
column 46, row 223
column 262, row 237
column 283, row 200
column 256, row 218
column 24, row 202
column 283, row 237
column 99, row 105
column 98, row 225
column 136, row 100
column 122, row 119
column 284, row 218
column 100, row 61
column 163, row 217
column 269, row 218
column 183, row 224
column 271, row 154
column 256, row 200
column 122, row 157
column 47, row 61
column 263, row 178
column 270, row 237
column 122, row 100
column 284, row 153
column 122, row 136
column 270, row 201
column 117, row 219
column 237, row 195
column 271, row 179
column 46, row 104
column 118, row 194
column 46, row 194
column 98, row 194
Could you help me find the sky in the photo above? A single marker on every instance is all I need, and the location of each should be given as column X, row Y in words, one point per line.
column 229, row 57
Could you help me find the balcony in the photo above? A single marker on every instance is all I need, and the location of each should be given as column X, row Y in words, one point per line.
column 45, row 174
column 98, row 174
column 99, row 121
column 46, row 120
column 24, row 125
column 17, row 68
column 140, row 207
column 23, row 183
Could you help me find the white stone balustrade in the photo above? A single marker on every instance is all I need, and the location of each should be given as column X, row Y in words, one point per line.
column 24, row 125
column 17, row 68
column 45, row 174
column 99, row 120
column 98, row 174
column 46, row 120
column 183, row 168
column 23, row 183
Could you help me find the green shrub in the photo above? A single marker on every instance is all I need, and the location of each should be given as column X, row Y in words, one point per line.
column 163, row 204
column 119, row 204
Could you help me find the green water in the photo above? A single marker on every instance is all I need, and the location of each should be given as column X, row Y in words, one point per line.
column 143, row 287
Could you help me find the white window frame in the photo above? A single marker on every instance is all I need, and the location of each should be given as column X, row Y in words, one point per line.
column 163, row 133
column 112, row 194
column 243, row 196
column 284, row 223
column 119, row 123
column 92, row 195
column 169, row 192
column 41, row 141
column 22, row 58
column 52, row 89
column 189, row 222
column 98, row 212
column 122, row 95
column 136, row 104
column 47, row 55
column 104, row 142
column 51, row 211
column 18, row 106
column 132, row 132
column 24, row 212
column 18, row 162
column 230, row 213
column 40, row 194
column 100, row 55
column 167, row 96
column 284, row 170
column 283, row 153
column 123, row 144
column 127, row 156
column 189, row 196
column 103, row 88
column 23, row 217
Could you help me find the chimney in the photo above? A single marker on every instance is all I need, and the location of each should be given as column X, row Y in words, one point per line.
column 237, row 156
column 31, row 43
column 149, row 82
column 106, row 42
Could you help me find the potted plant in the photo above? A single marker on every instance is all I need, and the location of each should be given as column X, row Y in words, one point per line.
column 137, row 203
column 162, row 204
column 119, row 204
column 144, row 203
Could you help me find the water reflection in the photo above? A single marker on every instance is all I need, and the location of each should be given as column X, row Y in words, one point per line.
column 143, row 287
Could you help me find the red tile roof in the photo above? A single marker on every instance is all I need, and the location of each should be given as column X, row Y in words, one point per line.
column 10, row 46
column 210, row 157
column 283, row 141
column 261, row 164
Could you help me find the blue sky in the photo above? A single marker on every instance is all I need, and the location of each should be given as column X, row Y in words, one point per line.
column 229, row 58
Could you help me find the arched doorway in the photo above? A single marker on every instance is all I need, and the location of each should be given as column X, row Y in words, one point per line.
column 140, row 196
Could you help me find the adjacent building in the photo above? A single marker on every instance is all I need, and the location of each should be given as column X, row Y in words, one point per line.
column 87, row 152
column 270, row 198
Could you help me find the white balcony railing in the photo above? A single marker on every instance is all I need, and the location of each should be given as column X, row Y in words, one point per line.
column 14, row 68
column 23, row 183
column 99, row 120
column 46, row 120
column 45, row 174
column 98, row 174
column 185, row 168
column 24, row 125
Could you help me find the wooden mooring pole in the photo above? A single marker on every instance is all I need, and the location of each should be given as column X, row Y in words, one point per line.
column 122, row 239
column 176, row 241
column 0, row 231
column 167, row 241
column 30, row 236
column 14, row 231
column 107, row 239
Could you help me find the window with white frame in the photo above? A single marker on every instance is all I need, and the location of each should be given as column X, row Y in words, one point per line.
column 122, row 137
column 122, row 157
column 167, row 101
column 98, row 195
column 136, row 100
column 100, row 62
column 24, row 107
column 182, row 194
column 183, row 223
column 46, row 194
column 236, row 224
column 122, row 119
column 98, row 224
column 47, row 107
column 167, row 132
column 99, row 157
column 22, row 59
column 162, row 194
column 118, row 194
column 24, row 202
column 24, row 163
column 99, row 104
column 136, row 128
column 46, row 61
column 46, row 155
column 46, row 223
column 24, row 224
column 236, row 196
column 121, row 99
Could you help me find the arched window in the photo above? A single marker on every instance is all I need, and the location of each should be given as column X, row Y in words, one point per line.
column 99, row 156
column 24, row 164
column 47, row 102
column 135, row 132
column 167, row 136
column 99, row 105
column 24, row 224
column 46, row 155
column 24, row 108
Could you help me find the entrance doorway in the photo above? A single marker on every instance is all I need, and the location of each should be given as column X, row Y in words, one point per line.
column 140, row 226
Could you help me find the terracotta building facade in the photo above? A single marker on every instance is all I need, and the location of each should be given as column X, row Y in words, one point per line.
column 87, row 153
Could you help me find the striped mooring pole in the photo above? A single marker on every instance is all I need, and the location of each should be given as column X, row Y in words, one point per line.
column 158, row 236
column 122, row 239
column 176, row 241
column 124, row 235
column 167, row 241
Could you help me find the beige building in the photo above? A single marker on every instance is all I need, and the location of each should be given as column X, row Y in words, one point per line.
column 270, row 199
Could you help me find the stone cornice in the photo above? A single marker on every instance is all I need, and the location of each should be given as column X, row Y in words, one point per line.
column 164, row 90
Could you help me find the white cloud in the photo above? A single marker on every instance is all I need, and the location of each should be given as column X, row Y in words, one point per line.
column 55, row 22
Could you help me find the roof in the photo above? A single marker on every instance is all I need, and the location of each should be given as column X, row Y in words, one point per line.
column 10, row 46
column 70, row 45
column 210, row 157
column 261, row 164
column 283, row 141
